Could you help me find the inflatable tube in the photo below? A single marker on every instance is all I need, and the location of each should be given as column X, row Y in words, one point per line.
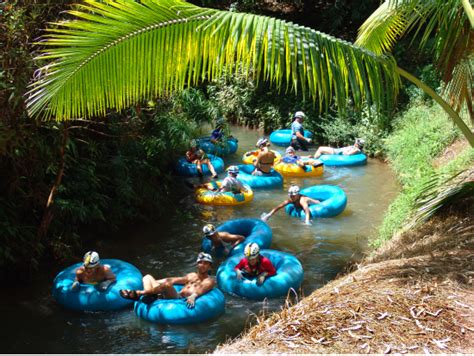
column 250, row 156
column 283, row 137
column 289, row 275
column 358, row 159
column 227, row 147
column 254, row 230
column 267, row 181
column 88, row 298
column 293, row 170
column 333, row 202
column 186, row 169
column 209, row 197
column 175, row 311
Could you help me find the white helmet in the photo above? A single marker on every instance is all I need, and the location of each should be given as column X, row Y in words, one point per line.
column 204, row 257
column 299, row 114
column 233, row 169
column 294, row 190
column 262, row 142
column 91, row 259
column 290, row 149
column 251, row 250
column 209, row 230
column 360, row 142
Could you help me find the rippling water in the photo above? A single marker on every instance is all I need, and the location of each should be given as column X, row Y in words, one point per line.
column 34, row 323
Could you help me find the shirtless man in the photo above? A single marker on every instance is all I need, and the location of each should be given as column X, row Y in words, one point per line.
column 300, row 201
column 221, row 238
column 195, row 284
column 346, row 151
column 92, row 272
column 265, row 159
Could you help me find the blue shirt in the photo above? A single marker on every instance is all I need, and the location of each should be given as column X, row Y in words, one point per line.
column 296, row 127
column 290, row 159
column 217, row 134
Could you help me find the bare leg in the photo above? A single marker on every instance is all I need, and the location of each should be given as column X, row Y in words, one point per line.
column 211, row 167
column 324, row 150
column 198, row 166
column 152, row 286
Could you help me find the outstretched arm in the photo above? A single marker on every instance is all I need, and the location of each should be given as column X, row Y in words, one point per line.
column 274, row 210
column 304, row 204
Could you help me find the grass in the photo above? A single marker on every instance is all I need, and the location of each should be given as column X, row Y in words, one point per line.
column 421, row 134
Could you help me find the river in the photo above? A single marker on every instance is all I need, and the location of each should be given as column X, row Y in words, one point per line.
column 34, row 323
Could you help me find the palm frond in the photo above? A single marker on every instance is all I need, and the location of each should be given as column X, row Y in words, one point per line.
column 447, row 21
column 441, row 190
column 115, row 53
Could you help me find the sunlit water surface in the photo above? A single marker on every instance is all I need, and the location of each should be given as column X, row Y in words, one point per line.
column 32, row 322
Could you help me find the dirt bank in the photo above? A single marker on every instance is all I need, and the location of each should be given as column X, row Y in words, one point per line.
column 415, row 295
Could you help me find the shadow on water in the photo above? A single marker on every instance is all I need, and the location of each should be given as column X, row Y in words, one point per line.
column 34, row 323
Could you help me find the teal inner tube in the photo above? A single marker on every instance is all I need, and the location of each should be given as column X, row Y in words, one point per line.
column 289, row 275
column 88, row 297
column 333, row 202
column 186, row 169
column 254, row 230
column 283, row 137
column 174, row 311
column 227, row 147
column 358, row 159
column 267, row 181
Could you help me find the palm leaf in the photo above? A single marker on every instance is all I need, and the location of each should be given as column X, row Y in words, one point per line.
column 116, row 53
column 441, row 190
column 447, row 21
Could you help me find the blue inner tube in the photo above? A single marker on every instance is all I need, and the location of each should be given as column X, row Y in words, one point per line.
column 333, row 202
column 175, row 311
column 289, row 275
column 88, row 297
column 358, row 159
column 228, row 147
column 254, row 230
column 184, row 168
column 283, row 137
column 267, row 181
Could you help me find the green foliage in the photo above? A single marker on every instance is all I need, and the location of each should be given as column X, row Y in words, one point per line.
column 421, row 134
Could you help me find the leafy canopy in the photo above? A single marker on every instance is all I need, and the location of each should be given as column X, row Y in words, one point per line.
column 112, row 54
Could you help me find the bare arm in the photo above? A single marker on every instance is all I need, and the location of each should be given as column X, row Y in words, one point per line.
column 109, row 275
column 299, row 135
column 232, row 238
column 79, row 275
column 274, row 210
column 351, row 151
column 177, row 280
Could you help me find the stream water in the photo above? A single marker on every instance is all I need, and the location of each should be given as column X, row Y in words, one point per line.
column 34, row 323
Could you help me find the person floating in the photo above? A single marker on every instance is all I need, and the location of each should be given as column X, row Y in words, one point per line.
column 346, row 151
column 198, row 157
column 298, row 141
column 254, row 265
column 265, row 159
column 92, row 272
column 231, row 183
column 218, row 133
column 221, row 238
column 300, row 201
column 195, row 284
column 292, row 158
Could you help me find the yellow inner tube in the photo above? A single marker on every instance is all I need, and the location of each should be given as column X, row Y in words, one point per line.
column 293, row 170
column 208, row 197
column 249, row 156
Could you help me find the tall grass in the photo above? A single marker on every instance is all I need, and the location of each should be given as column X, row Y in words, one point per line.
column 421, row 134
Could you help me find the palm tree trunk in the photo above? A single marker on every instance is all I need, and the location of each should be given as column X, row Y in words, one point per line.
column 48, row 211
column 449, row 110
